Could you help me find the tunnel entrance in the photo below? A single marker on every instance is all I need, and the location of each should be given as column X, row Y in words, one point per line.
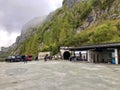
column 66, row 55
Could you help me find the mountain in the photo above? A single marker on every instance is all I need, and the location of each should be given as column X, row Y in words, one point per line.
column 69, row 3
column 30, row 28
column 76, row 23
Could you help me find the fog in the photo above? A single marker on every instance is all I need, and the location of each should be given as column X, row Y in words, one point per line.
column 15, row 13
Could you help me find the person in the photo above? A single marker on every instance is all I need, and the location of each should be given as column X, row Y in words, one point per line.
column 36, row 58
column 75, row 59
column 25, row 59
column 45, row 58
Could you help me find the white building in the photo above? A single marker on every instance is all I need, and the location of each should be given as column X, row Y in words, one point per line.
column 101, row 53
column 41, row 55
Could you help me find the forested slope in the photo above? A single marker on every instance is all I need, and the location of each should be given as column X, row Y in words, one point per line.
column 77, row 23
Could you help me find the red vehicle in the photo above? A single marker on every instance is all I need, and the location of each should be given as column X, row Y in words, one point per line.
column 29, row 58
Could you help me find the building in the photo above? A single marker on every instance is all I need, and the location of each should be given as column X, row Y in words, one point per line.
column 65, row 52
column 101, row 53
column 41, row 55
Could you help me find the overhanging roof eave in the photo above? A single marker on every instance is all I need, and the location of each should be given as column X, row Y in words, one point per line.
column 98, row 46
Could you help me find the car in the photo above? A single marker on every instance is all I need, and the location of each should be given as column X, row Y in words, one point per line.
column 29, row 57
column 18, row 58
column 10, row 59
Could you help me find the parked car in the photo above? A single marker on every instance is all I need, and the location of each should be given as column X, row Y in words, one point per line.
column 29, row 58
column 18, row 58
column 10, row 59
column 14, row 58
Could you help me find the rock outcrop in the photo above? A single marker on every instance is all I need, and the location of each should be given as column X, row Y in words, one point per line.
column 32, row 26
column 29, row 29
column 69, row 3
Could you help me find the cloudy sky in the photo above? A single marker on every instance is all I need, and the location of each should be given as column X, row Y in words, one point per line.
column 15, row 13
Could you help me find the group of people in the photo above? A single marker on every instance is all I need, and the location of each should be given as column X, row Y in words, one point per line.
column 47, row 57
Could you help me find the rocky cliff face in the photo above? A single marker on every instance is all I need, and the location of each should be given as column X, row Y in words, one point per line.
column 69, row 3
column 29, row 29
column 32, row 26
column 99, row 14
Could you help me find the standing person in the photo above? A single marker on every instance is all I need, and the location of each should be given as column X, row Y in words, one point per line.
column 45, row 58
column 25, row 59
column 36, row 58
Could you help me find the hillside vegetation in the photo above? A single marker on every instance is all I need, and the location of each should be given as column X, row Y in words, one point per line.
column 85, row 22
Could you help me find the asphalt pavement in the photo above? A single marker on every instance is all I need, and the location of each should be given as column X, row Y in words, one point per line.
column 59, row 75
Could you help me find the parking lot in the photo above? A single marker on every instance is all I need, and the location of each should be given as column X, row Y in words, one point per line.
column 59, row 75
